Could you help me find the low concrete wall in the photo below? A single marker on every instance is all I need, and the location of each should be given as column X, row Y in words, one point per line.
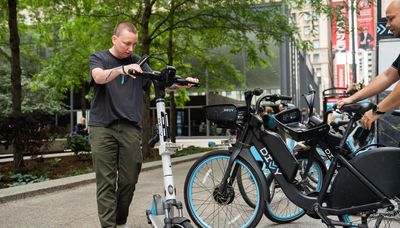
column 56, row 146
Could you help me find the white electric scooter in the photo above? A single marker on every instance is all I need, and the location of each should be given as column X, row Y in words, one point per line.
column 163, row 211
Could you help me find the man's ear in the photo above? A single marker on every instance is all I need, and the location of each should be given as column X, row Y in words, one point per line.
column 114, row 38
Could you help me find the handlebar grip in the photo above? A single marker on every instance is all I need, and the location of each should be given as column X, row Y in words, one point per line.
column 339, row 123
column 284, row 97
column 258, row 91
column 140, row 63
column 130, row 71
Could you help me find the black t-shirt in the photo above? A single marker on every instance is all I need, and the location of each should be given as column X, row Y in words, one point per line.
column 119, row 99
column 396, row 65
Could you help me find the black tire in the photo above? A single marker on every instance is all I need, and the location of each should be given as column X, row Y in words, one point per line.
column 185, row 224
column 201, row 197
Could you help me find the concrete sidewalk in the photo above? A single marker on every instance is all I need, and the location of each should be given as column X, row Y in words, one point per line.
column 20, row 192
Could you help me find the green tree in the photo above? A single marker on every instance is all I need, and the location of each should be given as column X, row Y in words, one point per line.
column 189, row 34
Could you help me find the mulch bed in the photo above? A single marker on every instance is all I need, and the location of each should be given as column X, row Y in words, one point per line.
column 52, row 168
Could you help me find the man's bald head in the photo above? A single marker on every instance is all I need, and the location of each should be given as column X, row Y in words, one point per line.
column 393, row 17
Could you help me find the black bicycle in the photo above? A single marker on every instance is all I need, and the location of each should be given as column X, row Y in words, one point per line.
column 356, row 189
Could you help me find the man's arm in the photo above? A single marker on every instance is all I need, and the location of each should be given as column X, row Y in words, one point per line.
column 101, row 76
column 391, row 101
column 377, row 85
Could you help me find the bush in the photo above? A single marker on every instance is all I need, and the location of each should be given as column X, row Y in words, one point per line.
column 28, row 133
column 78, row 144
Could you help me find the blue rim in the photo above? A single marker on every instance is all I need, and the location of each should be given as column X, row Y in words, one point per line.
column 191, row 180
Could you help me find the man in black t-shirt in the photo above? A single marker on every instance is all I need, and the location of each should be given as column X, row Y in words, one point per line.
column 381, row 82
column 115, row 124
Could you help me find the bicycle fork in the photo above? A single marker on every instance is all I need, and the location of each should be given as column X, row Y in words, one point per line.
column 230, row 173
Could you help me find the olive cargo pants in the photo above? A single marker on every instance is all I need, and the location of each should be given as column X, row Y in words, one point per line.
column 117, row 160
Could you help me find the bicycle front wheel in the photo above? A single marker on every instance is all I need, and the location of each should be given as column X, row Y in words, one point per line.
column 208, row 207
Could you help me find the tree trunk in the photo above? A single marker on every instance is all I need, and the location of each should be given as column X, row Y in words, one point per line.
column 15, row 59
column 19, row 164
column 15, row 76
column 146, row 50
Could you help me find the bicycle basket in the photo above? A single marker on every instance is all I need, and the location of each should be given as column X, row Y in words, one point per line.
column 289, row 122
column 223, row 115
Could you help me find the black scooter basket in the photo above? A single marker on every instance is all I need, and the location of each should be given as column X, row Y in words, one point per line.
column 289, row 122
column 223, row 115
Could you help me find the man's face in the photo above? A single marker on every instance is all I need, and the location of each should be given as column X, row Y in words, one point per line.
column 393, row 19
column 125, row 43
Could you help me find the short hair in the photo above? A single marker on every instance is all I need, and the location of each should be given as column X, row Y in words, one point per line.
column 268, row 109
column 126, row 25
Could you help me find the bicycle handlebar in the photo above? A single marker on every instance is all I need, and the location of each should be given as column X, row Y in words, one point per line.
column 273, row 98
column 166, row 76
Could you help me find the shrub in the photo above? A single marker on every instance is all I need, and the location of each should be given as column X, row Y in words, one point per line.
column 23, row 179
column 78, row 144
column 28, row 133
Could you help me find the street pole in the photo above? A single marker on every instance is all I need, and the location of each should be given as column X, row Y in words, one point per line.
column 71, row 114
column 207, row 103
column 353, row 43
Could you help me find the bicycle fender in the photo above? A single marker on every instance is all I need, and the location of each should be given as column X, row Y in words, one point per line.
column 246, row 155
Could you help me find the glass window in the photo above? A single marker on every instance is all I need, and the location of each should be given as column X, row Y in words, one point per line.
column 316, row 43
column 317, row 71
column 306, row 30
column 306, row 16
column 315, row 58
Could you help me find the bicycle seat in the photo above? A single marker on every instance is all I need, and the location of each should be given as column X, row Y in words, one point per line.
column 358, row 108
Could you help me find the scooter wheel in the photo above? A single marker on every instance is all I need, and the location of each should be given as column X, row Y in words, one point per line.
column 185, row 224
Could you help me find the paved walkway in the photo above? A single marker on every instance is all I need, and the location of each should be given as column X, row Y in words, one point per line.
column 70, row 202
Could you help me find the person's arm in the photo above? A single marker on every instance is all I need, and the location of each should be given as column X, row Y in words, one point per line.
column 387, row 104
column 377, row 85
column 391, row 101
column 101, row 76
column 177, row 86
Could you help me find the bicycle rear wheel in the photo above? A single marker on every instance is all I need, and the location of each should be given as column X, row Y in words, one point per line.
column 208, row 208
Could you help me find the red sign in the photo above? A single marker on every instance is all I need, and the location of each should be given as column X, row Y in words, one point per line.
column 340, row 38
column 366, row 25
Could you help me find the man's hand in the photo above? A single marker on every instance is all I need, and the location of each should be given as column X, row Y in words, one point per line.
column 177, row 86
column 368, row 118
column 135, row 68
column 344, row 101
column 190, row 79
